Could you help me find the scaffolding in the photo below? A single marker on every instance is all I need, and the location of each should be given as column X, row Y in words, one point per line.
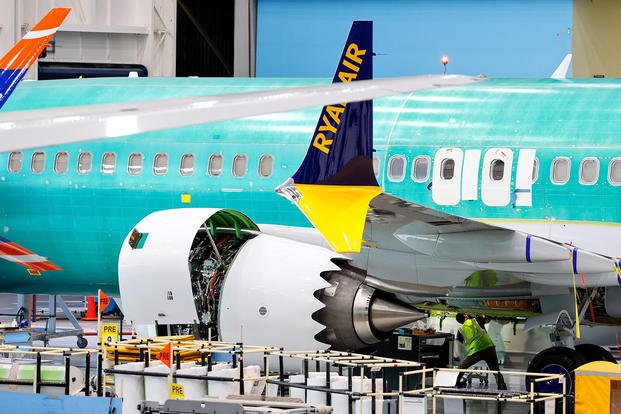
column 529, row 396
column 43, row 357
column 414, row 379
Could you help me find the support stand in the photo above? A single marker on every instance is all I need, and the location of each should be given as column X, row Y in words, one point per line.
column 51, row 331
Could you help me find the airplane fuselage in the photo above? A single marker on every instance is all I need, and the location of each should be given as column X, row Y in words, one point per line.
column 457, row 150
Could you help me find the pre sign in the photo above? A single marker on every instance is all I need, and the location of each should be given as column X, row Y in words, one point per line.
column 176, row 392
column 109, row 334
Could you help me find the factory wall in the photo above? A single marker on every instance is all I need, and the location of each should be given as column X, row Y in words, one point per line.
column 502, row 38
column 597, row 38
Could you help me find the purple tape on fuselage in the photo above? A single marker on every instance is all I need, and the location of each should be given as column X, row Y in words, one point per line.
column 528, row 249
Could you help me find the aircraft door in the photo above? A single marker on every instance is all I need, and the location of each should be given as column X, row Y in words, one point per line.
column 446, row 187
column 496, row 177
column 470, row 176
column 525, row 175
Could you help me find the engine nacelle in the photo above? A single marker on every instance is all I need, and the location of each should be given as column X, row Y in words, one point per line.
column 210, row 270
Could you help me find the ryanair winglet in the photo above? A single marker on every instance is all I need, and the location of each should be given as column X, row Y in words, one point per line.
column 335, row 182
column 15, row 64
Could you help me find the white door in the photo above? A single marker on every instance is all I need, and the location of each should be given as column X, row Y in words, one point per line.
column 470, row 176
column 524, row 178
column 496, row 177
column 446, row 184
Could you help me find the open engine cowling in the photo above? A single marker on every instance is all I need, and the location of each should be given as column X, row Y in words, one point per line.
column 212, row 270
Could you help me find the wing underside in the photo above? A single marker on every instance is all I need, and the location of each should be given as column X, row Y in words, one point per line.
column 484, row 246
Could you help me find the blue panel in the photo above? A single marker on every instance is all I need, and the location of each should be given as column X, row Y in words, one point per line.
column 501, row 38
column 13, row 402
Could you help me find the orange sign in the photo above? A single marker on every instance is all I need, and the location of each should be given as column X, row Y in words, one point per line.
column 165, row 355
column 104, row 301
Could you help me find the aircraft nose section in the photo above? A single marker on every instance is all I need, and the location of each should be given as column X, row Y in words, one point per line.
column 387, row 313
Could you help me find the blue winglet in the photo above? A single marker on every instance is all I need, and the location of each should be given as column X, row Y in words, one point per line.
column 341, row 149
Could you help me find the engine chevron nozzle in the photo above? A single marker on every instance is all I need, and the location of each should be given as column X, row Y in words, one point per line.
column 357, row 315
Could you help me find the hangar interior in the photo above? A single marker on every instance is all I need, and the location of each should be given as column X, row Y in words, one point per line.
column 486, row 206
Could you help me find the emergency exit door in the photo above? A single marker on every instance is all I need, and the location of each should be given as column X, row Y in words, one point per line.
column 446, row 182
column 496, row 177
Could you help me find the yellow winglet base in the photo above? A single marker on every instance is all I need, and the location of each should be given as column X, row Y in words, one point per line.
column 338, row 212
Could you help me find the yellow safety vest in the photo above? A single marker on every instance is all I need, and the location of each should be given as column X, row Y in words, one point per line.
column 475, row 337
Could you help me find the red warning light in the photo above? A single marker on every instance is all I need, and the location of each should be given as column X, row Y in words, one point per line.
column 444, row 61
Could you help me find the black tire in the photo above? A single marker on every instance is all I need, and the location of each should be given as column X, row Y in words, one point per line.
column 592, row 352
column 20, row 316
column 82, row 342
column 557, row 360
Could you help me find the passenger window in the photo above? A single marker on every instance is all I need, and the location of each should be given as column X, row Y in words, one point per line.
column 535, row 169
column 420, row 168
column 396, row 168
column 447, row 169
column 15, row 162
column 266, row 165
column 160, row 164
column 376, row 166
column 134, row 163
column 85, row 162
column 108, row 163
column 497, row 170
column 560, row 170
column 589, row 171
column 37, row 164
column 187, row 165
column 240, row 165
column 215, row 165
column 61, row 162
column 614, row 171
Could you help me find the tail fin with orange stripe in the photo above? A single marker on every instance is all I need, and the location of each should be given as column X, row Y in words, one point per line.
column 15, row 64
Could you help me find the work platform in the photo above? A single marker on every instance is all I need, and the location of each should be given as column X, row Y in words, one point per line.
column 218, row 377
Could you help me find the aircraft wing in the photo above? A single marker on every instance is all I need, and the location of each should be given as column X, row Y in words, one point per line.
column 485, row 246
column 336, row 189
column 24, row 129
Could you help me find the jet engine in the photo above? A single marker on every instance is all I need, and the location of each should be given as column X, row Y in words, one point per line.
column 212, row 272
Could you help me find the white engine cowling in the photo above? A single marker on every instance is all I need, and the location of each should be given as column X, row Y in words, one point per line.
column 268, row 293
column 198, row 269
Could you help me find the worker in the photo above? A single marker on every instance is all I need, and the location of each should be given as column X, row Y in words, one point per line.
column 479, row 346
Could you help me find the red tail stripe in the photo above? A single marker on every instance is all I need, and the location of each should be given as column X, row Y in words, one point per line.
column 26, row 51
column 52, row 19
column 41, row 266
column 13, row 249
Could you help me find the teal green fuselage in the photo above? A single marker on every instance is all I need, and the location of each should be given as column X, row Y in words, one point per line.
column 79, row 221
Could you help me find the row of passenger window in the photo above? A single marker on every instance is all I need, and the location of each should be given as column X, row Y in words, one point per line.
column 559, row 173
column 421, row 166
column 135, row 164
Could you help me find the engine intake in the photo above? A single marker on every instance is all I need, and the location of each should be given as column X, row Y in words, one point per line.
column 196, row 269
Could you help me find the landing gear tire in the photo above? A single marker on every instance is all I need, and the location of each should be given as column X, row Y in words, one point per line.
column 592, row 352
column 20, row 316
column 557, row 360
column 82, row 342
